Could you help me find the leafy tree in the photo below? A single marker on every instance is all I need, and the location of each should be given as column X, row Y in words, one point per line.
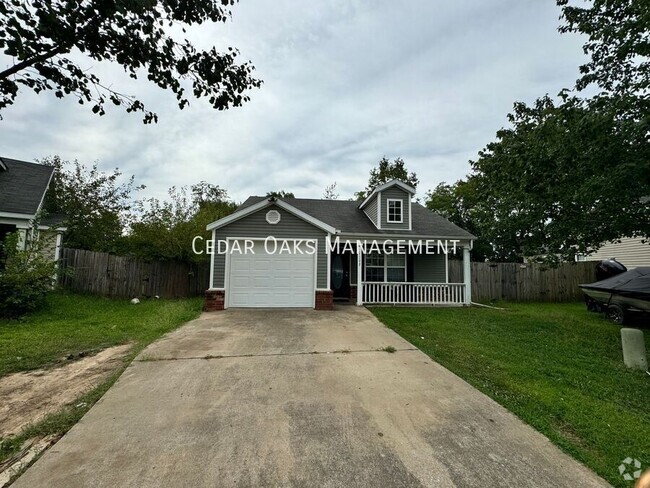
column 43, row 38
column 96, row 206
column 562, row 180
column 457, row 203
column 617, row 43
column 280, row 194
column 385, row 172
column 165, row 229
column 568, row 176
column 330, row 192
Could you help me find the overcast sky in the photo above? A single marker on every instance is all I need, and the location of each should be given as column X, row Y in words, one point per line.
column 345, row 83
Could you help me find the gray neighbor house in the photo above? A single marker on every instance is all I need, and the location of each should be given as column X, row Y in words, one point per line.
column 23, row 187
column 293, row 252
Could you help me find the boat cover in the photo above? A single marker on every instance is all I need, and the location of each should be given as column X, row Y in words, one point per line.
column 636, row 280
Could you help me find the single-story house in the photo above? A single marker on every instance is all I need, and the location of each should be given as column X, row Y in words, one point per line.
column 294, row 252
column 23, row 187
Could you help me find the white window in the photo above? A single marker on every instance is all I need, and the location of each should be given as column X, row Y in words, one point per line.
column 375, row 267
column 394, row 211
column 386, row 267
column 396, row 267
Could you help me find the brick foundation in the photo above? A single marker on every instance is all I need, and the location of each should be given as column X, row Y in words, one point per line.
column 353, row 294
column 324, row 300
column 214, row 300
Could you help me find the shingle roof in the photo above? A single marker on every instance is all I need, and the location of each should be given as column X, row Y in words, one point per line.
column 22, row 186
column 346, row 216
column 54, row 220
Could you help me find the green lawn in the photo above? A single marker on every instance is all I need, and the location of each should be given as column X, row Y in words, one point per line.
column 556, row 366
column 71, row 324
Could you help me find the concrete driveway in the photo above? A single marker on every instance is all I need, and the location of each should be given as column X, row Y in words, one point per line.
column 297, row 398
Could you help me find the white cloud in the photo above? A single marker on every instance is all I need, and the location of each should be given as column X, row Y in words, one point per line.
column 345, row 83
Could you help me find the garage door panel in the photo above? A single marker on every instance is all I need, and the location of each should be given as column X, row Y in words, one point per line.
column 283, row 282
column 271, row 280
column 304, row 281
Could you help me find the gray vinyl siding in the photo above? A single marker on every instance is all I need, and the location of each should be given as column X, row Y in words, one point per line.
column 395, row 193
column 630, row 252
column 256, row 226
column 371, row 210
column 429, row 268
column 48, row 243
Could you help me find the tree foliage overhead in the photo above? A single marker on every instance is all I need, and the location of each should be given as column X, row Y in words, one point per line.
column 95, row 204
column 44, row 38
column 618, row 45
column 385, row 172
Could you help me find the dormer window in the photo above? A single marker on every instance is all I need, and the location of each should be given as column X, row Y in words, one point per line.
column 395, row 211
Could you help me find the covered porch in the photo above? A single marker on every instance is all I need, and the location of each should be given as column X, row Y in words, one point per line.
column 399, row 272
column 405, row 293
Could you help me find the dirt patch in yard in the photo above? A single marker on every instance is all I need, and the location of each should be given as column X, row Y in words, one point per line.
column 28, row 397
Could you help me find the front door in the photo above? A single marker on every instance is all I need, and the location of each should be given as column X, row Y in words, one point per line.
column 340, row 279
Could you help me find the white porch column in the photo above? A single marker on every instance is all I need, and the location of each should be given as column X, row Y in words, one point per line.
column 467, row 276
column 22, row 239
column 359, row 276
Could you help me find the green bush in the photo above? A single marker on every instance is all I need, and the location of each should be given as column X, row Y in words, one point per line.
column 25, row 277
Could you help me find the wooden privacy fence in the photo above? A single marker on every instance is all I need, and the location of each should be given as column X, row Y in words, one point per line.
column 119, row 276
column 525, row 282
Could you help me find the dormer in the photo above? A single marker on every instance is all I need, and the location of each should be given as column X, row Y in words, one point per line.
column 389, row 206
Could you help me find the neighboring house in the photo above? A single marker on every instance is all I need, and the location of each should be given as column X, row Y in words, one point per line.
column 631, row 252
column 23, row 187
column 314, row 271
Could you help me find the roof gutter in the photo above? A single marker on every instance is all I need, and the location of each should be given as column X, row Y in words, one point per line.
column 10, row 215
column 405, row 236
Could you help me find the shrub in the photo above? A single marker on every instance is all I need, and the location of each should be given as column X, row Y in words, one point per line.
column 26, row 276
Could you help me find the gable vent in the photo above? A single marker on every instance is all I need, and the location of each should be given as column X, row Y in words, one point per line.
column 273, row 217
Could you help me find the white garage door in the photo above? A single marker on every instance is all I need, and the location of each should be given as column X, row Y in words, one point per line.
column 271, row 280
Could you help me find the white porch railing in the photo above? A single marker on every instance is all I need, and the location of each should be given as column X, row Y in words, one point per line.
column 413, row 293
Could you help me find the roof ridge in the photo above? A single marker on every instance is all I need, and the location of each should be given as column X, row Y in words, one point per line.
column 310, row 199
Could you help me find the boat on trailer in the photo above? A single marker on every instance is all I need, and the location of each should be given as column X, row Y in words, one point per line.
column 621, row 294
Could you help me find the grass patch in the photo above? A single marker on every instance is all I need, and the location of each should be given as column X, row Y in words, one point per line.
column 70, row 324
column 556, row 366
column 73, row 324
column 389, row 349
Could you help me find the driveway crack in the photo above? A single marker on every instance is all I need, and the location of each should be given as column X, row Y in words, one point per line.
column 228, row 356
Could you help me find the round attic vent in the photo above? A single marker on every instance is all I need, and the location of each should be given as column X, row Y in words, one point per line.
column 273, row 217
